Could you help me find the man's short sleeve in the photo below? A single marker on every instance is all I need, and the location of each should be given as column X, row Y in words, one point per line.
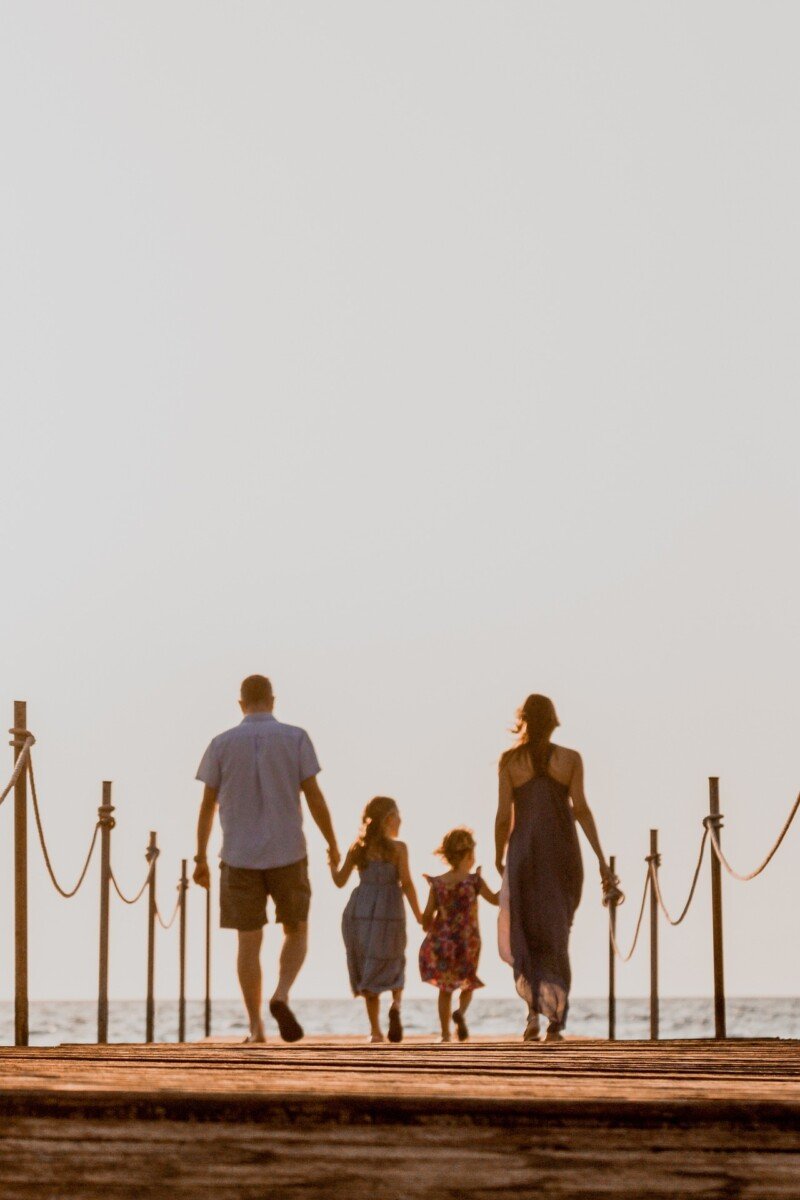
column 309, row 763
column 209, row 771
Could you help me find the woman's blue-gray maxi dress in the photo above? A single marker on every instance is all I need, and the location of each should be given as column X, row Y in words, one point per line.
column 374, row 931
column 545, row 878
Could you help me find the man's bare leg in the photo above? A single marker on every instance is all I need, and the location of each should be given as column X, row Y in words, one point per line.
column 293, row 955
column 248, row 963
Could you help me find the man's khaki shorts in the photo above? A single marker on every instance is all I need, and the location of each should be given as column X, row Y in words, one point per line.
column 243, row 895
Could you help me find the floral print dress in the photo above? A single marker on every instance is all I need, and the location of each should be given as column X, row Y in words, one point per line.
column 448, row 956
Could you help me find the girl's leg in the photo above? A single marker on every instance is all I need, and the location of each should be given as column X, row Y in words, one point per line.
column 445, row 1009
column 395, row 1024
column 464, row 1001
column 373, row 1003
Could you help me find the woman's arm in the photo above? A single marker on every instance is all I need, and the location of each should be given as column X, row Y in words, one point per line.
column 583, row 814
column 341, row 876
column 430, row 911
column 502, row 823
column 406, row 882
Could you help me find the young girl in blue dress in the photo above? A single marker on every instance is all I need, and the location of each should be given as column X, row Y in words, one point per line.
column 374, row 921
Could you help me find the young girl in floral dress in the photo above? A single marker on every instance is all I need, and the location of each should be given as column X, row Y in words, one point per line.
column 448, row 957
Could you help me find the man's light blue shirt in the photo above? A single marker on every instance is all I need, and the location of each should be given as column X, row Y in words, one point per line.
column 256, row 769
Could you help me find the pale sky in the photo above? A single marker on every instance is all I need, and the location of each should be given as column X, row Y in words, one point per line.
column 420, row 356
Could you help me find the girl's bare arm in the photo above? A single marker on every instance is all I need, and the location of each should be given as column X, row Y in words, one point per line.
column 430, row 911
column 341, row 876
column 406, row 882
column 487, row 893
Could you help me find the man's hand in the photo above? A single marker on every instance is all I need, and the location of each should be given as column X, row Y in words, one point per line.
column 500, row 867
column 202, row 875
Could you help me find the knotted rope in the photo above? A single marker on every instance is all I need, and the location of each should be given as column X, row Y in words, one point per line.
column 20, row 737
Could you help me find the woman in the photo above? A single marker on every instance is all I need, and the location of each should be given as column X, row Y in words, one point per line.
column 540, row 798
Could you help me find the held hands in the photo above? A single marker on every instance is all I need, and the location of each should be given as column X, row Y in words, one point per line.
column 499, row 866
column 334, row 857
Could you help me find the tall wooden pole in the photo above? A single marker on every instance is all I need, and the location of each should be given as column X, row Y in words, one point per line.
column 207, row 1024
column 716, row 914
column 612, row 963
column 653, row 937
column 184, row 885
column 104, row 814
column 152, row 855
column 20, row 883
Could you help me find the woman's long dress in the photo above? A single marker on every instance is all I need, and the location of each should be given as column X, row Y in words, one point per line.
column 374, row 931
column 543, row 882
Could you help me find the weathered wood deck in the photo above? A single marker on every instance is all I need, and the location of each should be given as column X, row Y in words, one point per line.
column 341, row 1119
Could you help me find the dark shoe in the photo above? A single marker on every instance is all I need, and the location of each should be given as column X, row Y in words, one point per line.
column 461, row 1026
column 289, row 1027
column 395, row 1033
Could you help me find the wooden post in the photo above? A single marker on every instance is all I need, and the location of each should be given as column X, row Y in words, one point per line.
column 208, row 962
column 20, row 884
column 151, row 855
column 104, row 814
column 716, row 914
column 184, row 885
column 653, row 938
column 612, row 963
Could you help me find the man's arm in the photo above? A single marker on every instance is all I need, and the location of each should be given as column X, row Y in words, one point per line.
column 322, row 817
column 205, row 822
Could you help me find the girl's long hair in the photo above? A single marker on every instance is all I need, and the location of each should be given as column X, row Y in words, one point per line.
column 372, row 842
column 536, row 723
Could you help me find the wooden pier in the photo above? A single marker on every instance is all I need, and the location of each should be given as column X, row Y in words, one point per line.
column 339, row 1119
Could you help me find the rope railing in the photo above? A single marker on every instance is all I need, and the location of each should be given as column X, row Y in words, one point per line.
column 612, row 933
column 714, row 823
column 22, row 779
column 653, row 872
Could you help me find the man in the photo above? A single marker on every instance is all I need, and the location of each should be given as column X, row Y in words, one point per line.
column 255, row 773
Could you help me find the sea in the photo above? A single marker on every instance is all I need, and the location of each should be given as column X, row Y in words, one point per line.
column 54, row 1022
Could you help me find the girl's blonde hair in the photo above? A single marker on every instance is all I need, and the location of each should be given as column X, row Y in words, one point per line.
column 455, row 845
column 372, row 842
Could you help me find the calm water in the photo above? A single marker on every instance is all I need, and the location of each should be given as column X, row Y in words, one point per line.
column 55, row 1021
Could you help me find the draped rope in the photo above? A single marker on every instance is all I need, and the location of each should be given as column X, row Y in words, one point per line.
column 627, row 957
column 657, row 886
column 714, row 823
column 66, row 893
column 135, row 899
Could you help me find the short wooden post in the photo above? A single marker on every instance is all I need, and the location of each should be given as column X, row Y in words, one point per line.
column 151, row 855
column 184, row 885
column 20, row 882
column 612, row 963
column 106, row 820
column 653, row 936
column 207, row 1024
column 716, row 913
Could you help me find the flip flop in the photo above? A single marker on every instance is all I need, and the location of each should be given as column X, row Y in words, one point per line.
column 395, row 1033
column 289, row 1027
column 461, row 1026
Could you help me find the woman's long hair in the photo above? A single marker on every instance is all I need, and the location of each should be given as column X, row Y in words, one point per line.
column 536, row 723
column 372, row 842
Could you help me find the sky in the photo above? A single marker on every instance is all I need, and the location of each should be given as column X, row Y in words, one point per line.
column 420, row 356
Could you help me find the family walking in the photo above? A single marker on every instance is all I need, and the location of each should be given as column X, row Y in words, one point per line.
column 254, row 775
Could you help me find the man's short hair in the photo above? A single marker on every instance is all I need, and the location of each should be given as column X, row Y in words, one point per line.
column 256, row 689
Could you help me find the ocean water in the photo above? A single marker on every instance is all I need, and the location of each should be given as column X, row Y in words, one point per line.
column 55, row 1021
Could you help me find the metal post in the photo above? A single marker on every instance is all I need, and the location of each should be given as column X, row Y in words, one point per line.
column 653, row 937
column 104, row 814
column 612, row 963
column 716, row 911
column 20, row 884
column 208, row 962
column 184, row 885
column 151, row 855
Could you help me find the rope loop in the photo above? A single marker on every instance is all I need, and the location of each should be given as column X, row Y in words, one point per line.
column 66, row 893
column 22, row 738
column 713, row 821
column 104, row 818
column 654, row 861
column 152, row 853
